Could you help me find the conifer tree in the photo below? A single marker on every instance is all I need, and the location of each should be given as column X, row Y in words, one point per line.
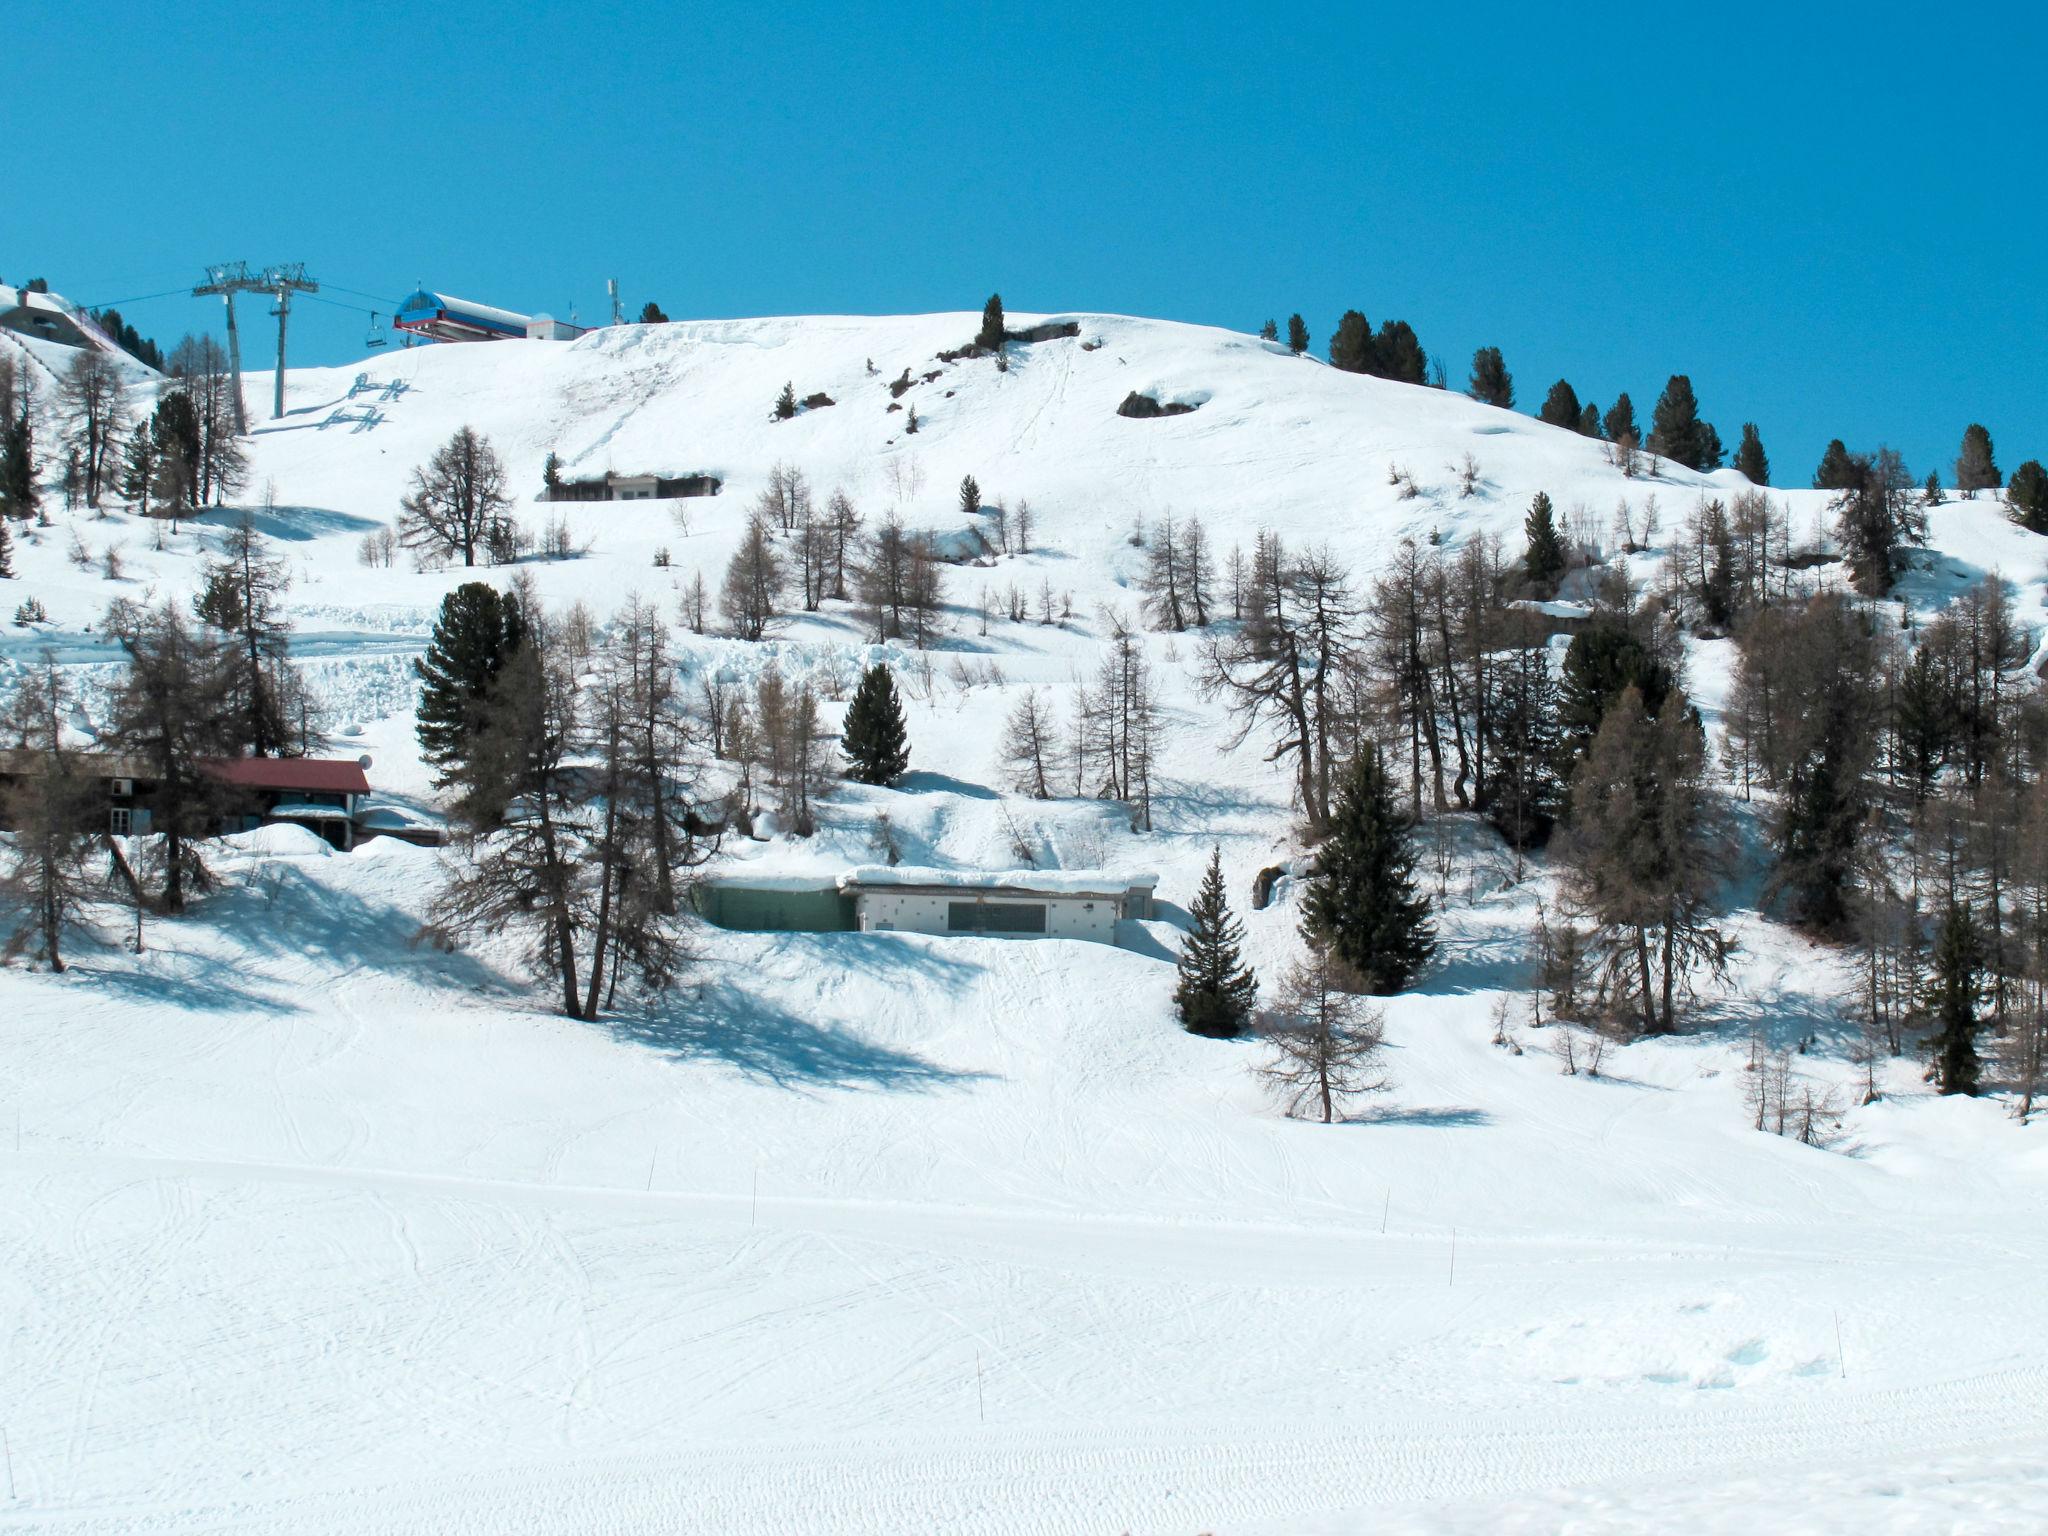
column 1397, row 354
column 139, row 466
column 970, row 496
column 1216, row 989
column 1837, row 470
column 1676, row 431
column 1589, row 421
column 990, row 335
column 51, row 810
column 2026, row 498
column 1544, row 560
column 1351, row 347
column 875, row 743
column 1297, row 335
column 785, row 403
column 551, row 474
column 478, row 631
column 1954, row 991
column 1561, row 406
column 1524, row 795
column 1976, row 470
column 1270, row 331
column 1491, row 383
column 1619, row 423
column 1930, row 489
column 1750, row 459
column 19, row 496
column 1361, row 903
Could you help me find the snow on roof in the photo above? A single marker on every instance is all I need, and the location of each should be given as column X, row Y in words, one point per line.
column 295, row 811
column 385, row 816
column 316, row 775
column 1045, row 882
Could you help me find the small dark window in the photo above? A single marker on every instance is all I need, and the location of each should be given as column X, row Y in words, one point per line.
column 990, row 917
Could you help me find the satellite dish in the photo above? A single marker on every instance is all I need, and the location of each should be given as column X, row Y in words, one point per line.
column 363, row 762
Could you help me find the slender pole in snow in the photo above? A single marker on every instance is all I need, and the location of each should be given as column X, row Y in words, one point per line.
column 1841, row 1361
column 650, row 1167
column 1384, row 1206
column 1454, row 1256
column 754, row 1206
column 980, row 1403
column 8, row 1446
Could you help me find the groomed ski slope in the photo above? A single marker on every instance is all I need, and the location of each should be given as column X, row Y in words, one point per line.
column 305, row 1228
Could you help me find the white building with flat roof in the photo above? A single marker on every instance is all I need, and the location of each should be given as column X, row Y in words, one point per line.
column 1024, row 903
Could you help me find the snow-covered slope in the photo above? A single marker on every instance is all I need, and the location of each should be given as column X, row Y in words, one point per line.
column 304, row 1228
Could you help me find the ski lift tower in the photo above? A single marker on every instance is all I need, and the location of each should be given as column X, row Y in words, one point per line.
column 283, row 282
column 231, row 278
column 227, row 280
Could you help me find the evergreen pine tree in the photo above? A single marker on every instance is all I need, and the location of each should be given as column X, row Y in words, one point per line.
column 1491, row 383
column 990, row 336
column 970, row 495
column 1930, row 489
column 1544, row 560
column 2026, row 498
column 551, row 474
column 1361, row 902
column 1351, row 347
column 1397, row 354
column 1923, row 720
column 1523, row 792
column 1619, row 424
column 1216, row 989
column 19, row 496
column 1676, row 431
column 1976, row 470
column 1297, row 335
column 476, row 634
column 1838, row 471
column 1953, row 993
column 1750, row 459
column 138, row 467
column 785, row 403
column 875, row 744
column 1270, row 331
column 1589, row 421
column 1561, row 406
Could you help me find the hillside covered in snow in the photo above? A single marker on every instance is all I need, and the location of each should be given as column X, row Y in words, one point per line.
column 308, row 1225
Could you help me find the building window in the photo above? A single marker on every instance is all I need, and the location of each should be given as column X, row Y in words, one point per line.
column 118, row 821
column 994, row 917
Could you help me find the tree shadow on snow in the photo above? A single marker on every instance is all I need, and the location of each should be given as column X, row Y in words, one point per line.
column 924, row 781
column 179, row 982
column 719, row 1021
column 293, row 524
column 282, row 912
column 1441, row 1117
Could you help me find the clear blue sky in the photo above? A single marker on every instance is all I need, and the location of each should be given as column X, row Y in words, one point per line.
column 1833, row 222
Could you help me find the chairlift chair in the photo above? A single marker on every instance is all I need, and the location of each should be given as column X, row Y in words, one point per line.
column 375, row 338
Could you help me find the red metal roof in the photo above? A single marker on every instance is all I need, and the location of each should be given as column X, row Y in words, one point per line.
column 319, row 775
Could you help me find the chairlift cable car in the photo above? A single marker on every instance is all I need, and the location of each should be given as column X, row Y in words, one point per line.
column 375, row 338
